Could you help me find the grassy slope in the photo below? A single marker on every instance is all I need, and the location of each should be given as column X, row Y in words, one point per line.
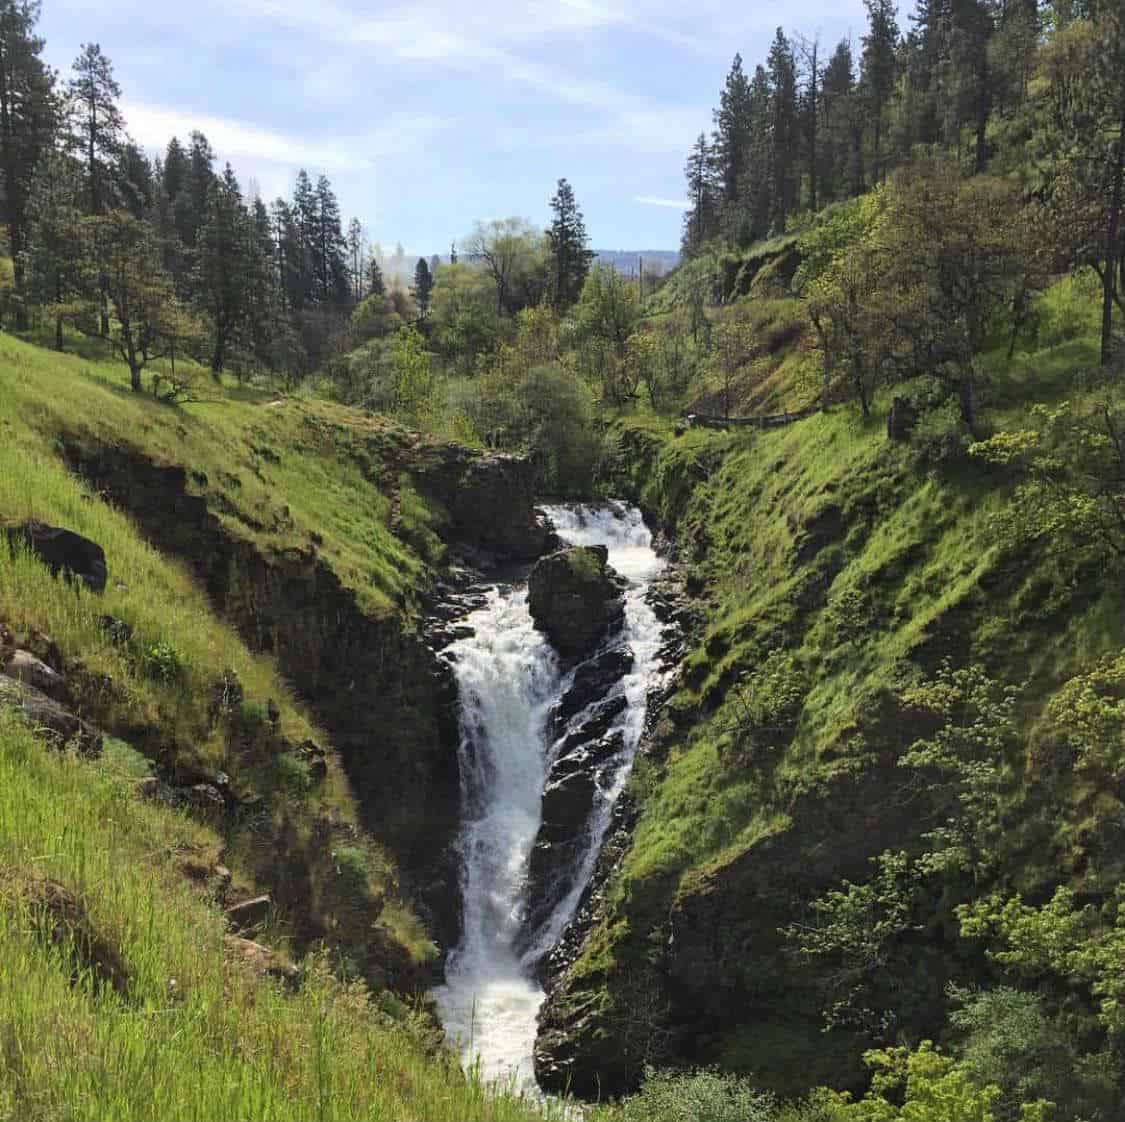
column 220, row 1045
column 834, row 564
column 192, row 1035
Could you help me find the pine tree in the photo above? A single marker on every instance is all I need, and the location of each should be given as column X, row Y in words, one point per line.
column 136, row 183
column 28, row 119
column 701, row 217
column 880, row 64
column 330, row 251
column 837, row 100
column 810, row 113
column 376, row 286
column 53, row 259
column 222, row 258
column 782, row 70
column 306, row 224
column 756, row 190
column 423, row 287
column 731, row 143
column 569, row 255
column 355, row 242
column 94, row 93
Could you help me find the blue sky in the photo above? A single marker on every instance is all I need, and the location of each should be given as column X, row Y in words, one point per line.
column 430, row 115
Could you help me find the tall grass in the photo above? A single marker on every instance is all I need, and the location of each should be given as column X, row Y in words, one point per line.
column 195, row 1037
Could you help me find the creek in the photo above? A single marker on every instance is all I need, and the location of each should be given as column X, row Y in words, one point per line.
column 511, row 684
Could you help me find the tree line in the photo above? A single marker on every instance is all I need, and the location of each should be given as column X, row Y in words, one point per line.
column 170, row 256
column 1028, row 90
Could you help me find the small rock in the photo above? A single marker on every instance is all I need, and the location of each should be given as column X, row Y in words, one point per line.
column 25, row 667
column 149, row 788
column 207, row 800
column 118, row 630
column 249, row 913
column 262, row 960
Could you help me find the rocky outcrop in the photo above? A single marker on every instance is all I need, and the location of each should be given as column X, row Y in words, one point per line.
column 576, row 599
column 34, row 672
column 490, row 499
column 374, row 684
column 54, row 722
column 63, row 552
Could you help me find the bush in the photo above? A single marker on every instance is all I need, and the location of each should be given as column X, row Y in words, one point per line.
column 293, row 775
column 351, row 869
column 703, row 1096
column 162, row 662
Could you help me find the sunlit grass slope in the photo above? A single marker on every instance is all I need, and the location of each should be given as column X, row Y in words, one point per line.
column 183, row 1032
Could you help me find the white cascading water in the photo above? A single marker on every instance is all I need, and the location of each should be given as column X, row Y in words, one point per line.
column 509, row 678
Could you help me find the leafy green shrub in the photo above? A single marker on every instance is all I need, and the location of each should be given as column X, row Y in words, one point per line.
column 293, row 774
column 1087, row 716
column 1068, row 310
column 252, row 715
column 162, row 662
column 350, row 862
column 704, row 1096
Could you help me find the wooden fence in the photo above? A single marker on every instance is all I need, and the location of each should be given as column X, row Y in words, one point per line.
column 776, row 421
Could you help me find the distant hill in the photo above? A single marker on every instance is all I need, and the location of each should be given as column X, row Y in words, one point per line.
column 656, row 261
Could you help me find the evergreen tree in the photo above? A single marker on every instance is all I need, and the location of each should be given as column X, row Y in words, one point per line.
column 880, row 64
column 355, row 244
column 701, row 217
column 223, row 248
column 28, row 119
column 330, row 252
column 98, row 122
column 568, row 252
column 53, row 259
column 782, row 70
column 306, row 221
column 838, row 107
column 731, row 145
column 376, row 286
column 756, row 190
column 423, row 287
column 136, row 182
column 810, row 113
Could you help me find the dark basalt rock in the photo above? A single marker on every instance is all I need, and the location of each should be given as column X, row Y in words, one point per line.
column 26, row 668
column 576, row 599
column 63, row 551
column 56, row 724
column 592, row 680
column 901, row 420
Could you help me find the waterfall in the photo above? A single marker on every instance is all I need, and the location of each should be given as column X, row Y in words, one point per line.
column 509, row 679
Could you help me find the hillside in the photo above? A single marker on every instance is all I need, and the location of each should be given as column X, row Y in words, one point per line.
column 264, row 555
column 900, row 713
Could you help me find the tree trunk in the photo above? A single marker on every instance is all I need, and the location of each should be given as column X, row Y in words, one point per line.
column 965, row 399
column 1109, row 276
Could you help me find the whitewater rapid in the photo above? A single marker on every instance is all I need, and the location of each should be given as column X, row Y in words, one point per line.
column 508, row 679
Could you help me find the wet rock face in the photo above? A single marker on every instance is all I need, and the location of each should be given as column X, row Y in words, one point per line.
column 586, row 744
column 576, row 599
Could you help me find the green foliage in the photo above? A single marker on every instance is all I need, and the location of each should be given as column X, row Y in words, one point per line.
column 162, row 662
column 1087, row 717
column 1005, row 1038
column 705, row 1096
column 924, row 1086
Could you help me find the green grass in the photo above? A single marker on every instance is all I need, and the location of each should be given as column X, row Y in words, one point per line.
column 866, row 563
column 194, row 1036
column 276, row 470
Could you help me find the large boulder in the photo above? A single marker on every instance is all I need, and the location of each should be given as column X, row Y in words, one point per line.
column 576, row 599
column 63, row 551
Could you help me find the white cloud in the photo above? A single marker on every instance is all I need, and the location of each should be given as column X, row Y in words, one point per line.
column 652, row 200
column 152, row 126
